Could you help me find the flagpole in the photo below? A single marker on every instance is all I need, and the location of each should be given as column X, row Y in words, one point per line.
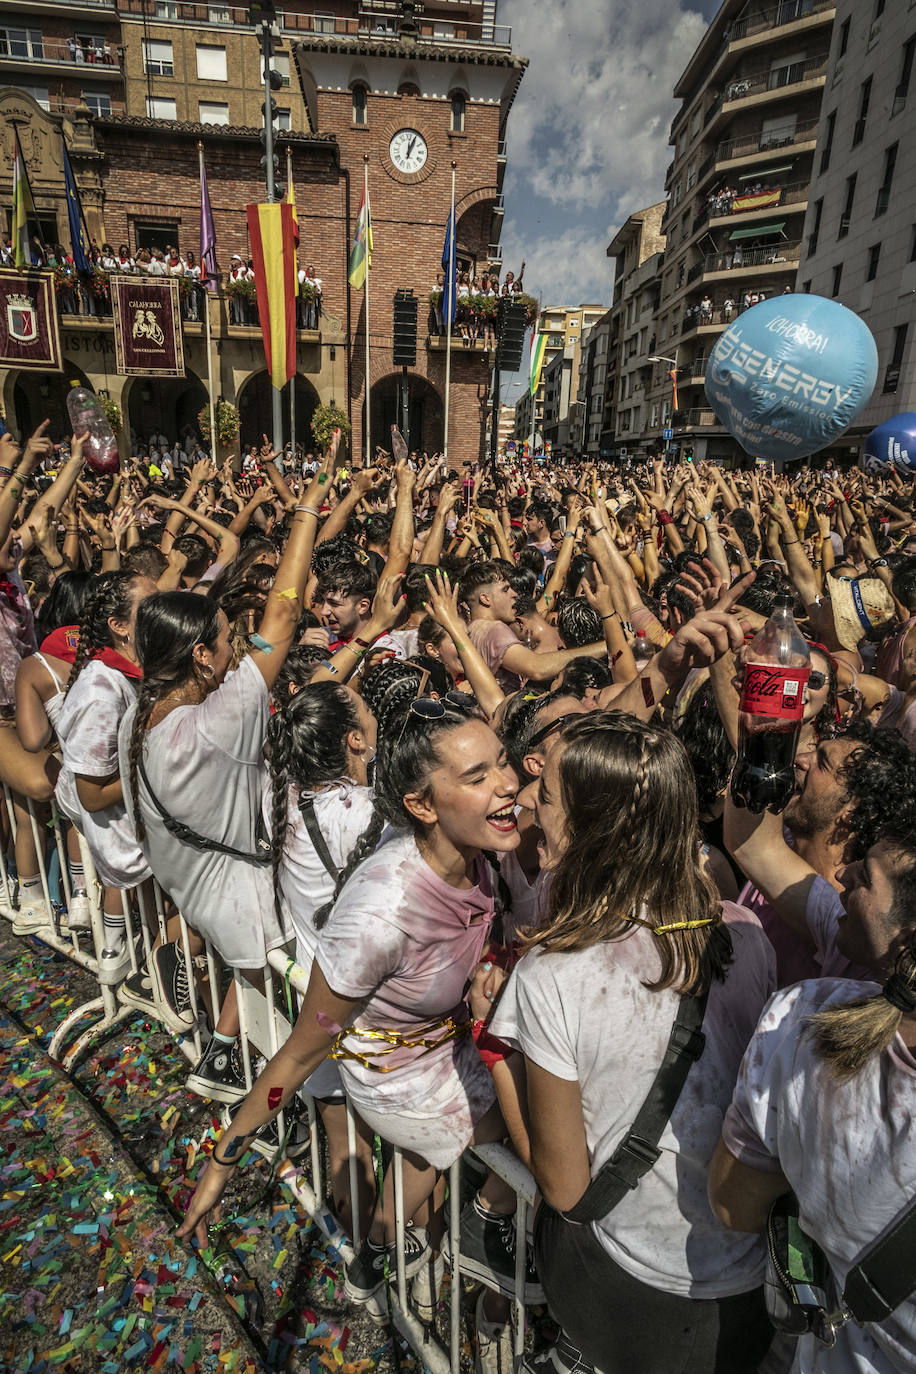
column 206, row 304
column 450, row 289
column 366, row 288
column 290, row 196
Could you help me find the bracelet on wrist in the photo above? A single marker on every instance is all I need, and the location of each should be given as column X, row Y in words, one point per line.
column 611, row 616
column 787, row 542
column 224, row 1163
column 108, row 548
column 308, row 510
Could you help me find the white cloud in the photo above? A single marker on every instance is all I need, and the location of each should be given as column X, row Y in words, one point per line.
column 588, row 134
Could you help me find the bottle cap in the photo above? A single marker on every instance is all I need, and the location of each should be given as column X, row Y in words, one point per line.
column 782, row 599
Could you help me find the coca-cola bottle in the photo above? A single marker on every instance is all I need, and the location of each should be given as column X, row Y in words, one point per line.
column 88, row 417
column 773, row 695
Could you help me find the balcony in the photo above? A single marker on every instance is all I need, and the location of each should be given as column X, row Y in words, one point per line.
column 72, row 7
column 723, row 210
column 699, row 417
column 786, row 13
column 41, row 53
column 761, row 86
column 780, row 257
column 769, row 141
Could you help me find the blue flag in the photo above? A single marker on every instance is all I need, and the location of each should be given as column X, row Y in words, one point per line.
column 78, row 236
column 449, row 265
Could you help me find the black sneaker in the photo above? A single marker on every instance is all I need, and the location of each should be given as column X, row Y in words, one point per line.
column 562, row 1358
column 297, row 1133
column 138, row 991
column 488, row 1253
column 170, row 973
column 366, row 1273
column 218, row 1074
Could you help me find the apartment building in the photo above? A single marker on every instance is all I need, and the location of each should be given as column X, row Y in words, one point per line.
column 860, row 232
column 64, row 53
column 587, row 411
column 559, row 392
column 744, row 145
column 564, row 327
column 637, row 250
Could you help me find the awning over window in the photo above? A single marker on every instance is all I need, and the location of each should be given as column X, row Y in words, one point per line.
column 757, row 231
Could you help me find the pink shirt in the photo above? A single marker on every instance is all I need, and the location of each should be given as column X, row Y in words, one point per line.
column 492, row 639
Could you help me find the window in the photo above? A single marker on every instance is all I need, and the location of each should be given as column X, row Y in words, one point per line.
column 157, row 58
column 892, row 372
column 166, row 9
column 283, row 124
column 879, row 9
column 828, row 141
column 874, row 254
column 806, row 287
column 219, row 14
column 777, row 132
column 846, row 216
column 213, row 112
column 155, row 233
column 459, row 109
column 442, row 29
column 816, row 227
column 280, row 63
column 786, row 70
column 158, row 108
column 837, row 278
column 323, row 23
column 211, row 63
column 360, row 106
column 906, row 71
column 913, row 245
column 884, row 190
column 691, row 175
column 99, row 102
column 858, row 132
column 844, row 38
column 21, row 43
column 38, row 93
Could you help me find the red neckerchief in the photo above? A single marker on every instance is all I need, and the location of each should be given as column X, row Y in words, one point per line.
column 64, row 642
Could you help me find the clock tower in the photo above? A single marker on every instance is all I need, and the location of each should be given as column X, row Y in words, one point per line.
column 412, row 88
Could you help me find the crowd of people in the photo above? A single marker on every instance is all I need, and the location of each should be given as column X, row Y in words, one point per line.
column 465, row 747
column 476, row 303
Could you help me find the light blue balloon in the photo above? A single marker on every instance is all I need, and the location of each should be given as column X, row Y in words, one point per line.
column 790, row 374
column 892, row 444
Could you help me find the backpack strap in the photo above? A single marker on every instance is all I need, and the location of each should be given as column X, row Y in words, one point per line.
column 638, row 1152
column 193, row 840
column 885, row 1276
column 310, row 820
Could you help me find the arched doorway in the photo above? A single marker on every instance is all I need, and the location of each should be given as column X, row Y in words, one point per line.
column 255, row 405
column 41, row 396
column 165, row 405
column 427, row 420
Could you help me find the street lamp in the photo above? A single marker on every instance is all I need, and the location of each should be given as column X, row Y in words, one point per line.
column 663, row 358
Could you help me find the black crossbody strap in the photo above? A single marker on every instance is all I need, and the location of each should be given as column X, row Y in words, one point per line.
column 638, row 1151
column 190, row 837
column 886, row 1274
column 310, row 820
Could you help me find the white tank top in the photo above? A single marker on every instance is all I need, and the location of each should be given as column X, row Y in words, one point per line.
column 54, row 703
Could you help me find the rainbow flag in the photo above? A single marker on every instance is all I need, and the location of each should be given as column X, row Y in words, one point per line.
column 23, row 208
column 538, row 345
column 361, row 252
column 271, row 232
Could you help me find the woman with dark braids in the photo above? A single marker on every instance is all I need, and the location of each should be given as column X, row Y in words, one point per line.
column 322, row 824
column 635, row 934
column 102, row 684
column 392, row 968
column 192, row 748
column 826, row 1100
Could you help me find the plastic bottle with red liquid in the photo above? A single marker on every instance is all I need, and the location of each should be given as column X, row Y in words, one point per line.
column 88, row 417
column 773, row 695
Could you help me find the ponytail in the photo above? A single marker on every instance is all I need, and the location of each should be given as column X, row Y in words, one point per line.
column 110, row 599
column 847, row 1037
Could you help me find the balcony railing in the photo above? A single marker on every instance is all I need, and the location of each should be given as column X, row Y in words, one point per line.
column 699, row 416
column 49, row 50
column 777, row 78
column 786, row 13
column 765, row 140
column 739, row 259
column 722, row 207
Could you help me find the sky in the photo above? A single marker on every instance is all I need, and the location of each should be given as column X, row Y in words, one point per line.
column 588, row 133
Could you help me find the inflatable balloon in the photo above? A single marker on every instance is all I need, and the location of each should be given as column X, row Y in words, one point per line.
column 790, row 374
column 892, row 444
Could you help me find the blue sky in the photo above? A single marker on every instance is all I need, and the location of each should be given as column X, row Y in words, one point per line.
column 588, row 133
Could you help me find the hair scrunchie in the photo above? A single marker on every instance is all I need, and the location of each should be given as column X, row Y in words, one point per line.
column 899, row 993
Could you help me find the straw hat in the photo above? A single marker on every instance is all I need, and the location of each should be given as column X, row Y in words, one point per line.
column 859, row 605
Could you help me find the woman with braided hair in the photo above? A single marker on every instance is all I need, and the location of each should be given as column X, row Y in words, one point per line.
column 635, row 935
column 101, row 686
column 824, row 1107
column 322, row 823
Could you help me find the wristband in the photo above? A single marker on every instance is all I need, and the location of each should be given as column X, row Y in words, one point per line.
column 596, row 528
column 664, row 517
column 878, row 563
column 787, row 542
column 6, row 472
column 569, row 534
column 491, row 1049
column 308, row 510
column 610, row 616
column 326, row 663
column 224, row 1163
column 710, row 516
column 363, row 643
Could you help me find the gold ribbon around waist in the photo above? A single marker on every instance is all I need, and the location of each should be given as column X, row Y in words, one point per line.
column 422, row 1039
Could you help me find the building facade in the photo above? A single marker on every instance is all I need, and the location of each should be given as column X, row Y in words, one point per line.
column 638, row 253
column 860, row 232
column 744, row 145
column 564, row 327
column 360, row 78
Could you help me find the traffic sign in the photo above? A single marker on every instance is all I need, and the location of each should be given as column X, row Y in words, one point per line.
column 667, row 433
column 510, row 445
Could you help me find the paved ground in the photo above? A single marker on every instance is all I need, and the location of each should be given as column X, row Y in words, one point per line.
column 94, row 1171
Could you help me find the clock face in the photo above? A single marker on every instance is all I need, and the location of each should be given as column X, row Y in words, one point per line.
column 408, row 150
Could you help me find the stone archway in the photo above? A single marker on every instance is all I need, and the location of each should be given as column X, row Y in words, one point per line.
column 256, row 410
column 427, row 416
column 41, row 396
column 164, row 405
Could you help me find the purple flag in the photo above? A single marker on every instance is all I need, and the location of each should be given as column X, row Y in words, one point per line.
column 207, row 233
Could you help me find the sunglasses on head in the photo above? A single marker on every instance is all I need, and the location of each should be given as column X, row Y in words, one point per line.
column 816, row 680
column 422, row 708
column 546, row 730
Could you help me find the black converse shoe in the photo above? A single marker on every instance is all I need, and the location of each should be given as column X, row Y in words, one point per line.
column 562, row 1358
column 488, row 1242
column 138, row 991
column 219, row 1074
column 170, row 974
column 366, row 1273
column 297, row 1132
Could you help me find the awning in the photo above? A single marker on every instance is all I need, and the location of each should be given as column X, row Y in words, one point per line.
column 757, row 231
column 765, row 173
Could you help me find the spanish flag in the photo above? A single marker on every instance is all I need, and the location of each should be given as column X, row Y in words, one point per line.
column 272, row 235
column 361, row 252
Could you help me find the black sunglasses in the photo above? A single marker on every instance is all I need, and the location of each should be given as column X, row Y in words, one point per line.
column 816, row 680
column 539, row 736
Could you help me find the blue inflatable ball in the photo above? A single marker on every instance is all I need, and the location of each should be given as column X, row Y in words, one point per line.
column 892, row 444
column 790, row 374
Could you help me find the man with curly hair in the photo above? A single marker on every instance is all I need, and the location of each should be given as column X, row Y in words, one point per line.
column 850, row 789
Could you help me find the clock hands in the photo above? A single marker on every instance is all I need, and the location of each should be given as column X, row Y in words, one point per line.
column 410, row 146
